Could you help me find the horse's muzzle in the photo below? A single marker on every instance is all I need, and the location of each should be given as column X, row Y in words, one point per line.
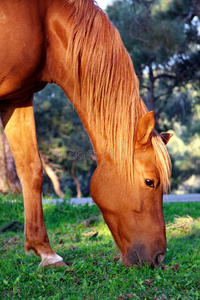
column 139, row 257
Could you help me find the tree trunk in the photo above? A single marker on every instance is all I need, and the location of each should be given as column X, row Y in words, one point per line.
column 196, row 4
column 78, row 188
column 53, row 177
column 3, row 181
column 8, row 175
column 150, row 93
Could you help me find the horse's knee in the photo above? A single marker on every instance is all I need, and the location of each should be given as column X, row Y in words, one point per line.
column 31, row 174
column 37, row 179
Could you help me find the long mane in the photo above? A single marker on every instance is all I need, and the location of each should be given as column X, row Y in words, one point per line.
column 110, row 85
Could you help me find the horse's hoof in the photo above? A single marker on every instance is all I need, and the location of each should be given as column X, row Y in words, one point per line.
column 56, row 265
column 55, row 261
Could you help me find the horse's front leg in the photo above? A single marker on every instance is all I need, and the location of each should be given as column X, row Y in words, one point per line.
column 19, row 127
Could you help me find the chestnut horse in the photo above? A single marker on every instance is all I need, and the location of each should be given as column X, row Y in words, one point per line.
column 73, row 44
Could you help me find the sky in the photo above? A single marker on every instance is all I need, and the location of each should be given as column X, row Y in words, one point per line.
column 103, row 3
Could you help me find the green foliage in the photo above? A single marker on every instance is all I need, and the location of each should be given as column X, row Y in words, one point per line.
column 163, row 41
column 91, row 272
column 62, row 139
column 182, row 115
column 148, row 31
column 185, row 159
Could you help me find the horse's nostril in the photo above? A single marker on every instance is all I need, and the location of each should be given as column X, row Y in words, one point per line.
column 159, row 259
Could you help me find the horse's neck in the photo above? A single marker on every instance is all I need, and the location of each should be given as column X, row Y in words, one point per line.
column 101, row 105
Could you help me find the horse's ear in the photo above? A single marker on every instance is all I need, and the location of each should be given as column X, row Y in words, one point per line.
column 145, row 127
column 166, row 137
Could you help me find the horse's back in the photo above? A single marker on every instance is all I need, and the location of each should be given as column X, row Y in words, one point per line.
column 22, row 42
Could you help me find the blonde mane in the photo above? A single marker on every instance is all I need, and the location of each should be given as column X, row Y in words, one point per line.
column 108, row 81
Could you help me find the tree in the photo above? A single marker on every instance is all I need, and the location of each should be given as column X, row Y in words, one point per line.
column 162, row 39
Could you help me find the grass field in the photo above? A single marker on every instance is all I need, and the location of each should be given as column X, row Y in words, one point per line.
column 79, row 234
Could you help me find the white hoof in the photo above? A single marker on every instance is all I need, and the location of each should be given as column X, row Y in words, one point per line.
column 51, row 260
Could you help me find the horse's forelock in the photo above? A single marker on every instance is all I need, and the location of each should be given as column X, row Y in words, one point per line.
column 163, row 162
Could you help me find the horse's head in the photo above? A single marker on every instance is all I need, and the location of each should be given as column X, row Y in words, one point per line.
column 133, row 210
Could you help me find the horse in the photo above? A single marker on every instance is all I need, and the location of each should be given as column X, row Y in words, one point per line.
column 73, row 44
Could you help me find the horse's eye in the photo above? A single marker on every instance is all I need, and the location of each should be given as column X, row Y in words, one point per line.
column 149, row 183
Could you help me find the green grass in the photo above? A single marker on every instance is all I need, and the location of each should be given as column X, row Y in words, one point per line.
column 91, row 271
